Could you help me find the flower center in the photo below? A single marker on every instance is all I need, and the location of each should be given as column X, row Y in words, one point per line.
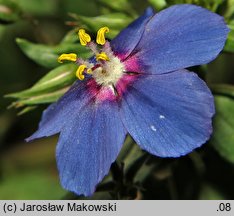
column 105, row 67
column 109, row 73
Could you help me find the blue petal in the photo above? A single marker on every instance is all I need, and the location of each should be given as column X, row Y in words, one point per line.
column 168, row 115
column 179, row 37
column 88, row 146
column 126, row 40
column 61, row 112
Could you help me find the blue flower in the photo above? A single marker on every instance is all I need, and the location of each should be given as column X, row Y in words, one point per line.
column 136, row 84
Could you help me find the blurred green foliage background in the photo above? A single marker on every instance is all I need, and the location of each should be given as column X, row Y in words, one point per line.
column 32, row 35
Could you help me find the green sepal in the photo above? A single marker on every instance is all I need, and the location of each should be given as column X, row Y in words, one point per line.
column 44, row 98
column 56, row 79
column 26, row 109
column 41, row 99
column 47, row 90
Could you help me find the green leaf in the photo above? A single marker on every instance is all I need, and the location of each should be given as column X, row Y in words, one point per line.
column 41, row 54
column 9, row 12
column 144, row 172
column 130, row 153
column 223, row 89
column 39, row 7
column 158, row 4
column 208, row 192
column 126, row 149
column 229, row 9
column 223, row 136
column 47, row 56
column 229, row 46
column 28, row 171
column 133, row 159
column 114, row 21
column 120, row 5
column 77, row 48
column 31, row 185
column 71, row 37
column 56, row 79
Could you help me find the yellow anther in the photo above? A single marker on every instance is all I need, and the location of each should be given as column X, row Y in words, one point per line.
column 80, row 71
column 84, row 37
column 101, row 35
column 102, row 56
column 68, row 57
column 89, row 71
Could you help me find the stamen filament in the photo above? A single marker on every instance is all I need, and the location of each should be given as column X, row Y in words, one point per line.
column 93, row 47
column 101, row 35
